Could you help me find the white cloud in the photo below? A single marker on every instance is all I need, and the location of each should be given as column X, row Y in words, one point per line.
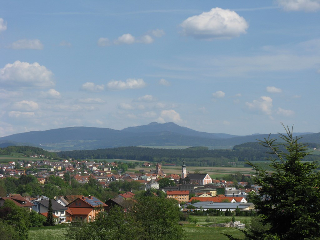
column 51, row 93
column 300, row 5
column 273, row 90
column 146, row 98
column 126, row 106
column 27, row 44
column 146, row 39
column 91, row 100
column 4, row 94
column 17, row 114
column 238, row 95
column 102, row 42
column 216, row 24
column 128, row 84
column 23, row 74
column 285, row 112
column 157, row 33
column 26, row 106
column 169, row 116
column 65, row 44
column 218, row 94
column 3, row 25
column 164, row 82
column 125, row 39
column 91, row 87
column 264, row 104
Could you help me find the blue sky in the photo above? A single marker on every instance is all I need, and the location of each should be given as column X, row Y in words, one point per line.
column 239, row 67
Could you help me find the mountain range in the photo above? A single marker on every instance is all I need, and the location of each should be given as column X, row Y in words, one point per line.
column 153, row 135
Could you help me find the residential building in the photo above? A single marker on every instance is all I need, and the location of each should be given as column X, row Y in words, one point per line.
column 180, row 196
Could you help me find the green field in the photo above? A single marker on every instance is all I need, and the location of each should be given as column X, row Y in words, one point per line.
column 202, row 230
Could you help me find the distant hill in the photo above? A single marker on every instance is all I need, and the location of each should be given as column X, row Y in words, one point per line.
column 153, row 134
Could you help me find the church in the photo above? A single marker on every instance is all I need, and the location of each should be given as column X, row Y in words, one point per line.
column 195, row 178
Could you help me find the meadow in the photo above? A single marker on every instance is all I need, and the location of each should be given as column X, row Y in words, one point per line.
column 201, row 230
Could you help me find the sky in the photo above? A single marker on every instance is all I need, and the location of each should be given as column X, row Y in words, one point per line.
column 239, row 66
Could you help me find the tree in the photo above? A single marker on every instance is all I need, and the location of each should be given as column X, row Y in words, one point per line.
column 50, row 221
column 116, row 224
column 17, row 218
column 159, row 218
column 166, row 182
column 289, row 198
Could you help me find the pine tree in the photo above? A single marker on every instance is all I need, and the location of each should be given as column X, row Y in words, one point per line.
column 50, row 221
column 289, row 198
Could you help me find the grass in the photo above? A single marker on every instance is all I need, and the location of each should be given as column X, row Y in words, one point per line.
column 205, row 233
column 202, row 230
column 48, row 233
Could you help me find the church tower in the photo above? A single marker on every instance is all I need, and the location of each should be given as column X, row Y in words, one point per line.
column 184, row 171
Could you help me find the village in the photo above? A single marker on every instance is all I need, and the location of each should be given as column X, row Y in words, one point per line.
column 193, row 191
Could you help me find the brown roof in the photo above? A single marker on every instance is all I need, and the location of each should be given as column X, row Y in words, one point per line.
column 19, row 200
column 79, row 211
column 177, row 192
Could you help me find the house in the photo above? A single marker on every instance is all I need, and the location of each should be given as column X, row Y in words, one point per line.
column 152, row 185
column 180, row 196
column 127, row 195
column 204, row 206
column 57, row 209
column 85, row 209
column 219, row 199
column 18, row 200
column 198, row 179
column 121, row 202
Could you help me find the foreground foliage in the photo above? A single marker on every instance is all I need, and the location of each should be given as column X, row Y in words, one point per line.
column 151, row 218
column 288, row 202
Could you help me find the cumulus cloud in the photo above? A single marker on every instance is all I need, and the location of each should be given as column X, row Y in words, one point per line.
column 164, row 82
column 218, row 94
column 285, row 112
column 146, row 98
column 91, row 87
column 273, row 90
column 51, row 93
column 26, row 106
column 264, row 104
column 128, row 84
column 3, row 25
column 18, row 114
column 169, row 116
column 128, row 38
column 157, row 33
column 146, row 39
column 92, row 100
column 125, row 39
column 23, row 74
column 215, row 24
column 27, row 44
column 102, row 42
column 300, row 5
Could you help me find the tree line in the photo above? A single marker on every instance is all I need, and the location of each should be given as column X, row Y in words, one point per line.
column 193, row 156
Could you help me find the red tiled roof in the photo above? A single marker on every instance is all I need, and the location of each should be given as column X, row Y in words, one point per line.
column 46, row 215
column 177, row 192
column 127, row 195
column 79, row 211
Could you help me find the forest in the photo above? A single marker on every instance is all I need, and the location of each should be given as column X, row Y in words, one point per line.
column 193, row 156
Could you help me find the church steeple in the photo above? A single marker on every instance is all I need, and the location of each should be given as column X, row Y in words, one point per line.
column 184, row 171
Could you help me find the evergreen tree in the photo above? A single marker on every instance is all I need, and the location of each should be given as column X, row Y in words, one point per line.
column 289, row 198
column 50, row 221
